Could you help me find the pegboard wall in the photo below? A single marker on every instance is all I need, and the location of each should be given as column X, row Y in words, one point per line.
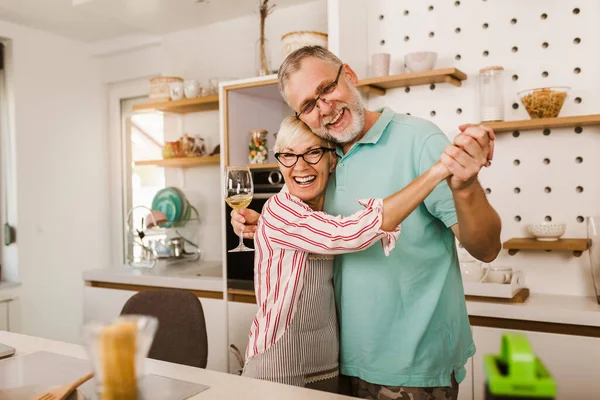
column 537, row 175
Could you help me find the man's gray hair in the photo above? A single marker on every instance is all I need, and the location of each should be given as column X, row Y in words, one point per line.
column 293, row 62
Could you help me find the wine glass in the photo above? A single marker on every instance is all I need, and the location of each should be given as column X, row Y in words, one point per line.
column 238, row 194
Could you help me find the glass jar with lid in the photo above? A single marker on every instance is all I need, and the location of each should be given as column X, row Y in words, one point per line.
column 491, row 93
column 258, row 152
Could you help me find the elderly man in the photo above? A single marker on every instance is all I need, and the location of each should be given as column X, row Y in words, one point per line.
column 404, row 328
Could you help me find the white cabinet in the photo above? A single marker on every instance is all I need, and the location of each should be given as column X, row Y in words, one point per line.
column 465, row 389
column 4, row 316
column 240, row 318
column 572, row 361
column 102, row 304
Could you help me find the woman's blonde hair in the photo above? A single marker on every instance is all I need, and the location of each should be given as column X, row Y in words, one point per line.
column 293, row 131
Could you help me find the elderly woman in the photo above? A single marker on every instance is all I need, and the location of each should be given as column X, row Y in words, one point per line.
column 294, row 336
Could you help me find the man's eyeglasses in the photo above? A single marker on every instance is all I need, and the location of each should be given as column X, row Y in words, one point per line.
column 312, row 156
column 309, row 106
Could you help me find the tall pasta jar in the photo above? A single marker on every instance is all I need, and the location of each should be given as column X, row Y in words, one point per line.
column 258, row 153
column 491, row 93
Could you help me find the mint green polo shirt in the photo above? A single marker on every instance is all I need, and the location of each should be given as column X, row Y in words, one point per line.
column 403, row 318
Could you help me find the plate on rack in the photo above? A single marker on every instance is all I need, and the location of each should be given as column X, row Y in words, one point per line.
column 169, row 202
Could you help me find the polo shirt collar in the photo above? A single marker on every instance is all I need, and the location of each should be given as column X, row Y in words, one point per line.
column 374, row 134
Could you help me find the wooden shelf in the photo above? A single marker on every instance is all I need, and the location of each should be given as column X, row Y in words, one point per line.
column 577, row 246
column 379, row 86
column 263, row 166
column 183, row 162
column 182, row 106
column 543, row 123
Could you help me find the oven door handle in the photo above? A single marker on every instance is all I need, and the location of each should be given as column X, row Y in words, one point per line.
column 262, row 196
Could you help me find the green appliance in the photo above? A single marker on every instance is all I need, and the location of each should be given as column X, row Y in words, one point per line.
column 516, row 373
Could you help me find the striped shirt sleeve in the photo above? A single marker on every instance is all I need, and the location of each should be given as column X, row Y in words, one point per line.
column 290, row 224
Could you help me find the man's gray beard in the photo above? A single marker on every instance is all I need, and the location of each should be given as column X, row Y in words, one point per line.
column 357, row 109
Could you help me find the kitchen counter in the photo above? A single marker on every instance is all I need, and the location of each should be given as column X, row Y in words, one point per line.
column 221, row 385
column 199, row 276
column 544, row 310
column 539, row 308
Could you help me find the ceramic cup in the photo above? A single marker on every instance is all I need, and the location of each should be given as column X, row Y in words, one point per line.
column 380, row 64
column 471, row 271
column 498, row 275
column 191, row 89
column 176, row 90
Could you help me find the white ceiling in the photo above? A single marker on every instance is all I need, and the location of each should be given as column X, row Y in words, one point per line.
column 94, row 20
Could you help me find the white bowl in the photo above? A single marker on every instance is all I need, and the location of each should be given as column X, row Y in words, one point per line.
column 420, row 61
column 547, row 231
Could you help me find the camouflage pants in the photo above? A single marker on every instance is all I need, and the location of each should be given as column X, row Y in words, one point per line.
column 366, row 390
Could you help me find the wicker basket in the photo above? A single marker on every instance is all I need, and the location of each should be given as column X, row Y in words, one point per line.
column 292, row 41
column 159, row 87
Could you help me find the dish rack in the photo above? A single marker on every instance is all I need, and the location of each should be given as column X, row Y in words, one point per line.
column 148, row 246
column 506, row 291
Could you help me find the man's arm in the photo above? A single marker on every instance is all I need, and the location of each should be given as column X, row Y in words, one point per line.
column 479, row 225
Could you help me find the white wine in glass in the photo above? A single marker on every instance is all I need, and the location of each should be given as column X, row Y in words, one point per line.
column 238, row 194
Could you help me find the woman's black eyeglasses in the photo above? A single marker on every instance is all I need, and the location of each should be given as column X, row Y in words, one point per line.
column 310, row 105
column 312, row 156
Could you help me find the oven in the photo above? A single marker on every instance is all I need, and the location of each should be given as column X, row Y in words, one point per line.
column 240, row 266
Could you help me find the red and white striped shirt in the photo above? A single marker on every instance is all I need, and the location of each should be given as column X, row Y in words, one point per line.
column 288, row 230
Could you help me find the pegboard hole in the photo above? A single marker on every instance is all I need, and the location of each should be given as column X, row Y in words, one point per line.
column 548, row 218
column 517, row 162
column 457, row 30
column 515, row 106
column 432, row 86
column 576, row 11
column 381, row 17
column 407, row 90
column 430, row 8
column 517, row 218
column 513, row 21
column 407, row 113
column 580, row 219
column 578, row 129
column 577, row 40
column 544, row 16
column 545, row 74
column 382, row 42
column 459, row 111
column 517, row 190
column 546, row 161
column 577, row 71
column 546, row 132
column 579, row 160
column 545, row 45
column 516, row 133
column 579, row 189
column 515, row 77
column 547, row 189
column 457, row 57
column 456, row 3
column 432, row 113
column 486, row 53
column 406, row 12
column 515, row 49
column 431, row 34
column 485, row 25
column 406, row 38
column 488, row 191
column 577, row 100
